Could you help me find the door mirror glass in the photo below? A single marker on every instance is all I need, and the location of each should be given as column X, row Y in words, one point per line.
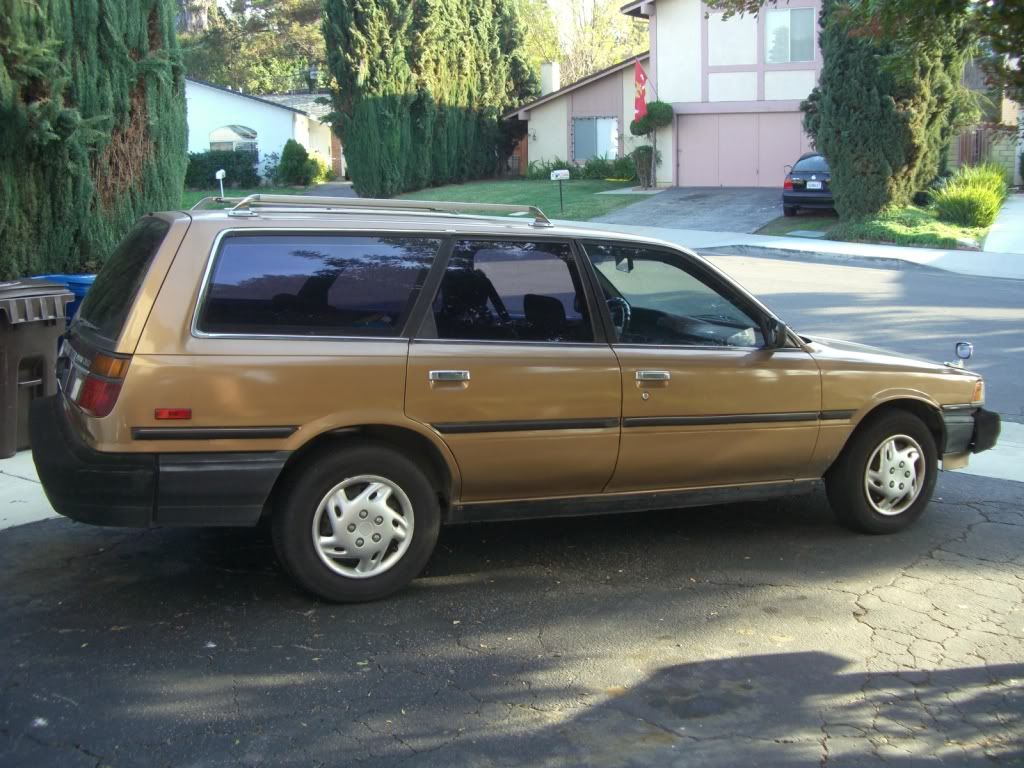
column 775, row 334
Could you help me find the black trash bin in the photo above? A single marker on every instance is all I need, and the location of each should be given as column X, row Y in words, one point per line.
column 31, row 321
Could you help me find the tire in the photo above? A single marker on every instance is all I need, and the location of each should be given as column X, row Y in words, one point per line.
column 789, row 210
column 858, row 500
column 392, row 488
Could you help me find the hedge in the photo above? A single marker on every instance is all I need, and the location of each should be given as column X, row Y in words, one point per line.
column 92, row 127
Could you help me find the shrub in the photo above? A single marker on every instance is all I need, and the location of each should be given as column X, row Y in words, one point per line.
column 642, row 161
column 240, row 168
column 624, row 168
column 965, row 205
column 986, row 176
column 596, row 168
column 319, row 170
column 295, row 167
column 541, row 169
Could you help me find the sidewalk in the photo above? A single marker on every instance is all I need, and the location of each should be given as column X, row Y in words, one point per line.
column 1007, row 234
column 977, row 263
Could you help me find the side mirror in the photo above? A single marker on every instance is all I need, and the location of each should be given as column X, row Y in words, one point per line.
column 775, row 334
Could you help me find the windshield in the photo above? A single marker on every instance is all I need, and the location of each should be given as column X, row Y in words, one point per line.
column 107, row 303
column 813, row 164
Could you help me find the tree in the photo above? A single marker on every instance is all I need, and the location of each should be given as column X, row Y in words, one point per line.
column 92, row 127
column 598, row 36
column 659, row 115
column 420, row 87
column 884, row 129
column 258, row 46
column 997, row 24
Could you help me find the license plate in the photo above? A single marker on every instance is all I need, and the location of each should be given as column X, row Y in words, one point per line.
column 814, row 185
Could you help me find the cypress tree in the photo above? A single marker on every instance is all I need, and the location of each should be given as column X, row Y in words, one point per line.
column 421, row 87
column 92, row 127
column 883, row 113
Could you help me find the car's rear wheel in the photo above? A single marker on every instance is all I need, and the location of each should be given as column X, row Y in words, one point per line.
column 356, row 524
column 789, row 210
column 885, row 476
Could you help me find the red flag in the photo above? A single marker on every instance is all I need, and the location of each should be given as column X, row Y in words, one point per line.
column 640, row 100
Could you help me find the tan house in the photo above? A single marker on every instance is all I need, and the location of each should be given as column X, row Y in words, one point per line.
column 589, row 118
column 735, row 87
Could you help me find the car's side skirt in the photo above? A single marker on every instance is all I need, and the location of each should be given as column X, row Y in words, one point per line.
column 614, row 503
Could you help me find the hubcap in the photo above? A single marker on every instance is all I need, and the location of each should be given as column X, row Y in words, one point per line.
column 895, row 475
column 363, row 526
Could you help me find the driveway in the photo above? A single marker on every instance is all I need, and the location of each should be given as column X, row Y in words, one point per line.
column 713, row 209
column 752, row 635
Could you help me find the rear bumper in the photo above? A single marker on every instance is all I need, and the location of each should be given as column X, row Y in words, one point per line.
column 144, row 489
column 807, row 200
column 970, row 430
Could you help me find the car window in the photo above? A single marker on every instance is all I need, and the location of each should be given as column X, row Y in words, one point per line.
column 106, row 305
column 654, row 298
column 814, row 163
column 314, row 284
column 508, row 290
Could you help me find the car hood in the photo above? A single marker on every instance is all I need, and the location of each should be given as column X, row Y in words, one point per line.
column 877, row 356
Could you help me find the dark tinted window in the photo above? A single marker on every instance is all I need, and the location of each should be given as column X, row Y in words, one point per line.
column 315, row 284
column 496, row 290
column 108, row 301
column 812, row 164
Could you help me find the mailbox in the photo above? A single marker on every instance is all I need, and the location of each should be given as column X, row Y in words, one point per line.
column 560, row 175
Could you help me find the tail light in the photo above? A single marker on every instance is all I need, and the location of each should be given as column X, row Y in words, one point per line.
column 93, row 385
column 788, row 183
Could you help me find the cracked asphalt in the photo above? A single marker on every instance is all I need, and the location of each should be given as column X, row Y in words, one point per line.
column 750, row 635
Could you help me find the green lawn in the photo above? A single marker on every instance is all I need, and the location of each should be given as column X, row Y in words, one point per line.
column 581, row 199
column 192, row 196
column 902, row 226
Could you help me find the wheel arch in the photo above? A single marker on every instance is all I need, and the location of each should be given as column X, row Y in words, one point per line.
column 929, row 413
column 437, row 463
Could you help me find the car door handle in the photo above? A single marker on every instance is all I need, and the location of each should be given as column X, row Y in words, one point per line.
column 653, row 375
column 448, row 376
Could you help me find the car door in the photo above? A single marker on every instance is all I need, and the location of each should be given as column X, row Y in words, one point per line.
column 704, row 402
column 507, row 367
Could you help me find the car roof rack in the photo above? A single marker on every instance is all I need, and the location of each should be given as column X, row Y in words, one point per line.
column 243, row 206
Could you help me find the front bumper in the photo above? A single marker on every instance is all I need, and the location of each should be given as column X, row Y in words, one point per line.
column 969, row 430
column 144, row 489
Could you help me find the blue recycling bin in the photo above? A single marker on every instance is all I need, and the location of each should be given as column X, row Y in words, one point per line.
column 79, row 285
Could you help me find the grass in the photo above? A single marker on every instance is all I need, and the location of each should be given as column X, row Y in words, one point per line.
column 581, row 199
column 911, row 226
column 192, row 196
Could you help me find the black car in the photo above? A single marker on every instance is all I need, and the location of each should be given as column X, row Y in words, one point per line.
column 807, row 184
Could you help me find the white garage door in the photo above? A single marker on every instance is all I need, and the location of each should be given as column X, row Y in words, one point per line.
column 738, row 150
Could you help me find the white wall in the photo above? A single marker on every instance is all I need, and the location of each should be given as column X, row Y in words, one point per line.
column 732, row 86
column 732, row 42
column 209, row 108
column 319, row 140
column 783, row 85
column 549, row 136
column 679, row 51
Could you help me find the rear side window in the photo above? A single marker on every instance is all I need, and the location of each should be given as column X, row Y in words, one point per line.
column 814, row 163
column 314, row 284
column 108, row 301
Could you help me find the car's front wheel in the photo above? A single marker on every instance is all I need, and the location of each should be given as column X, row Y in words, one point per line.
column 884, row 478
column 356, row 524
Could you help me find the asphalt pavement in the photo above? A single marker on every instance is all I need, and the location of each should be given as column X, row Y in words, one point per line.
column 748, row 635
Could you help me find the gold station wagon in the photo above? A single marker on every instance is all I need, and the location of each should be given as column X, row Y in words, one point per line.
column 359, row 372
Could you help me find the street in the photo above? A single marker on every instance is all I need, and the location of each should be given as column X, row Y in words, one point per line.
column 750, row 635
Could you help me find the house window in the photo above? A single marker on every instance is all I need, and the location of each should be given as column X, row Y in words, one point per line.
column 236, row 138
column 789, row 35
column 594, row 137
